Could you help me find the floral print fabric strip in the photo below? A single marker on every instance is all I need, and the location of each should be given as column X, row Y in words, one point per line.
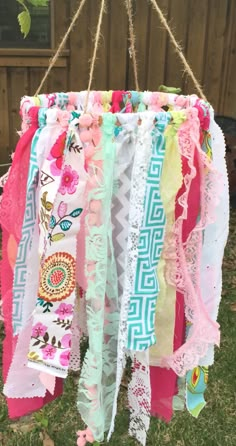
column 28, row 381
column 51, row 329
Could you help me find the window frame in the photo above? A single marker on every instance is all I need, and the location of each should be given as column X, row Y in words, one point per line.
column 13, row 51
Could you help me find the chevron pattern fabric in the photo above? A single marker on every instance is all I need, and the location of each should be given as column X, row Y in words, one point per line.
column 141, row 316
column 120, row 215
column 125, row 148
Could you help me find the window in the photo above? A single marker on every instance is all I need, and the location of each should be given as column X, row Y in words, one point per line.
column 10, row 35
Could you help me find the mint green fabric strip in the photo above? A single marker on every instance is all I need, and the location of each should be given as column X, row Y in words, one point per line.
column 97, row 381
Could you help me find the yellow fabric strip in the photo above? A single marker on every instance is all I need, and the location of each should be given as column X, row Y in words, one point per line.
column 171, row 181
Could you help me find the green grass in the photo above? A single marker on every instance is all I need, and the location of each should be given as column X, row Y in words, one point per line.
column 214, row 427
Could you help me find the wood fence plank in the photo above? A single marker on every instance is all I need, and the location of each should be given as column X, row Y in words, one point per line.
column 18, row 87
column 61, row 12
column 157, row 49
column 100, row 77
column 142, row 30
column 229, row 108
column 80, row 42
column 30, row 61
column 217, row 25
column 58, row 80
column 117, row 46
column 197, row 29
column 29, row 52
column 227, row 99
column 35, row 77
column 178, row 21
column 4, row 120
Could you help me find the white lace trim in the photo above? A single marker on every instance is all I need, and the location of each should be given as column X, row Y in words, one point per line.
column 215, row 238
column 138, row 188
column 139, row 393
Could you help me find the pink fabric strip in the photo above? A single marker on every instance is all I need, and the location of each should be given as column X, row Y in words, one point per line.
column 163, row 381
column 11, row 218
column 204, row 331
column 117, row 98
column 12, row 206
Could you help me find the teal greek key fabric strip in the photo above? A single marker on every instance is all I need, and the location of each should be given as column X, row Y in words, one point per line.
column 141, row 315
column 27, row 229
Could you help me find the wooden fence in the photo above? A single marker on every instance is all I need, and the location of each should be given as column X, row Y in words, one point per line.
column 205, row 28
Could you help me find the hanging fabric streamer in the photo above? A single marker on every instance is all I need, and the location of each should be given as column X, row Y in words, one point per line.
column 120, row 181
column 123, row 202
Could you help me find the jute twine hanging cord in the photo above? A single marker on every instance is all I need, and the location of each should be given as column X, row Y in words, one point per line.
column 61, row 45
column 96, row 44
column 128, row 5
column 178, row 49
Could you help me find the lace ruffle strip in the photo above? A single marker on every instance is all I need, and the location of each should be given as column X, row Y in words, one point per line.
column 94, row 400
column 215, row 237
column 187, row 256
column 137, row 195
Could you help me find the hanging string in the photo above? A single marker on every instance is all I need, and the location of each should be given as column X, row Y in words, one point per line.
column 128, row 4
column 178, row 49
column 96, row 43
column 132, row 38
column 53, row 60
